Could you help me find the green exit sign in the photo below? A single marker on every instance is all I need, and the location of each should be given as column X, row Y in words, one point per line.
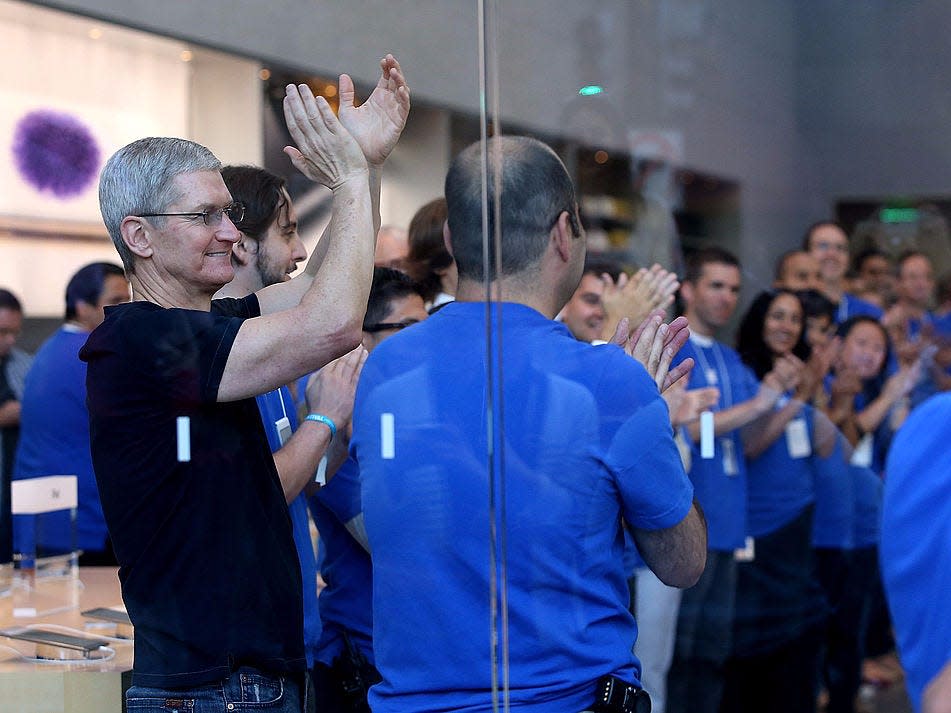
column 898, row 215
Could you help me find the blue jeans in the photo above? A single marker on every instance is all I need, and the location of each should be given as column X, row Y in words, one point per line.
column 245, row 690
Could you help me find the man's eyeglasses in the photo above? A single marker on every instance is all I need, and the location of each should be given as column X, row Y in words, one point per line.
column 383, row 326
column 211, row 218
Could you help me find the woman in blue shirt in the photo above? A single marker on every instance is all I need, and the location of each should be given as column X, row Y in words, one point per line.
column 779, row 606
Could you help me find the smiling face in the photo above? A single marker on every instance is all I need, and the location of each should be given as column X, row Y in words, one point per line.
column 280, row 248
column 783, row 324
column 864, row 348
column 584, row 313
column 830, row 247
column 188, row 257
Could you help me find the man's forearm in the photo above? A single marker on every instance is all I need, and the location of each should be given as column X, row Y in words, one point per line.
column 297, row 460
column 759, row 436
column 733, row 418
column 678, row 554
column 316, row 258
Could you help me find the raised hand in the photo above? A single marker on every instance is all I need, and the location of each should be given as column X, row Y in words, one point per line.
column 378, row 122
column 789, row 370
column 331, row 390
column 637, row 296
column 900, row 384
column 325, row 152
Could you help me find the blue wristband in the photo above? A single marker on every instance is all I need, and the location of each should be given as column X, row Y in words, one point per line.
column 320, row 418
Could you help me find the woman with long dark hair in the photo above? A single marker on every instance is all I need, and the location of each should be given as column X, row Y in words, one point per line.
column 779, row 606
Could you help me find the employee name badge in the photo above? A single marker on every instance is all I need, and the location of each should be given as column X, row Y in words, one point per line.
column 706, row 435
column 283, row 426
column 730, row 465
column 797, row 439
column 747, row 553
column 862, row 455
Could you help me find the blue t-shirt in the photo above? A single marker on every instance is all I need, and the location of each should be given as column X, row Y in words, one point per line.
column 54, row 440
column 273, row 406
column 833, row 524
column 346, row 600
column 537, row 464
column 852, row 306
column 867, row 487
column 916, row 542
column 722, row 496
column 780, row 486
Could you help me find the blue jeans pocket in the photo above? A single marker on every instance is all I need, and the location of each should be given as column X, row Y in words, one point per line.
column 153, row 700
column 251, row 687
column 245, row 690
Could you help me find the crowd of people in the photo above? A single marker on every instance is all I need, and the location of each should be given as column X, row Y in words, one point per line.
column 531, row 459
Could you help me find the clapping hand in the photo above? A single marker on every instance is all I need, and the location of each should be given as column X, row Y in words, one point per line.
column 637, row 296
column 325, row 151
column 378, row 122
column 654, row 345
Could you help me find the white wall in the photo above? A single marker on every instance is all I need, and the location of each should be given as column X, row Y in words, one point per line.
column 123, row 85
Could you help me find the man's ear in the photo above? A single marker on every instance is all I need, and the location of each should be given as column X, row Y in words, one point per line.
column 84, row 311
column 240, row 252
column 562, row 234
column 686, row 292
column 137, row 235
column 447, row 237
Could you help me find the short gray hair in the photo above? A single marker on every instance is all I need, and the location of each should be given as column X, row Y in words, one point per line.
column 138, row 179
column 534, row 188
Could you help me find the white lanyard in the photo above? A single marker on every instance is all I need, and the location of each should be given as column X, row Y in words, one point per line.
column 723, row 375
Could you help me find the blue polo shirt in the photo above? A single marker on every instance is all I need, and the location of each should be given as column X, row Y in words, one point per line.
column 54, row 440
column 833, row 524
column 275, row 405
column 503, row 480
column 722, row 495
column 852, row 306
column 345, row 601
column 780, row 486
column 867, row 487
column 916, row 542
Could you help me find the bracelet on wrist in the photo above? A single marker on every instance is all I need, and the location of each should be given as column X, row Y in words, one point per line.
column 326, row 420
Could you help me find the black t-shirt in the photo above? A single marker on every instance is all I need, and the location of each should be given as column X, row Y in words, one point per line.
column 208, row 567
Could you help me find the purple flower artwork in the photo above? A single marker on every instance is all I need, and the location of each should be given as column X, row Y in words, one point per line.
column 55, row 152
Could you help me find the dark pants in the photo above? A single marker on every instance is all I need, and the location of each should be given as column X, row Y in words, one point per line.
column 704, row 636
column 879, row 639
column 778, row 681
column 342, row 687
column 845, row 628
